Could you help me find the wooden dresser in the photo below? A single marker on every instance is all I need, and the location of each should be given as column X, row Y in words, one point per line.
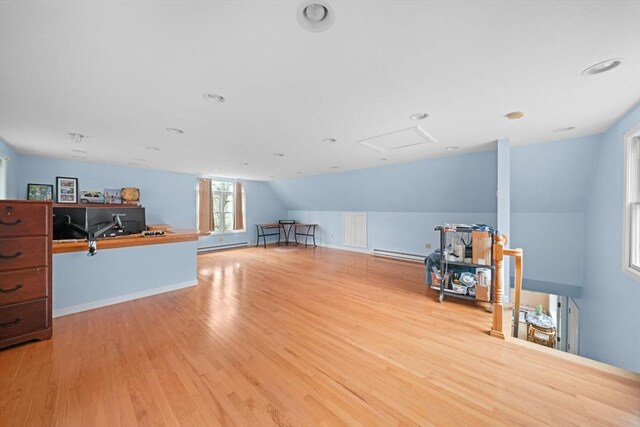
column 26, row 232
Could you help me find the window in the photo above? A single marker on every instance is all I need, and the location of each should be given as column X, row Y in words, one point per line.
column 222, row 197
column 632, row 202
column 221, row 206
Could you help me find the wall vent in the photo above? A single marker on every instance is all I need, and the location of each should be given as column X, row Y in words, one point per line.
column 354, row 229
column 398, row 139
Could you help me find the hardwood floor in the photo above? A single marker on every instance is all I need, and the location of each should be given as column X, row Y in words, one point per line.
column 288, row 336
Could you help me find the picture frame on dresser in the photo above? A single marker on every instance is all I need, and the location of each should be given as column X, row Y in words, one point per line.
column 66, row 190
column 39, row 192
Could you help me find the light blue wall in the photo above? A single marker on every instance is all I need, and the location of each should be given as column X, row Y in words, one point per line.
column 116, row 273
column 404, row 203
column 262, row 206
column 465, row 183
column 406, row 232
column 503, row 204
column 609, row 314
column 169, row 198
column 12, row 169
column 553, row 176
column 549, row 187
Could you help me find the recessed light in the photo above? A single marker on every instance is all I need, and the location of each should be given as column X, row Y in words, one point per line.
column 219, row 170
column 453, row 147
column 175, row 131
column 329, row 140
column 298, row 173
column 152, row 148
column 244, row 164
column 514, row 115
column 214, row 97
column 602, row 67
column 133, row 164
column 567, row 129
column 140, row 159
column 315, row 15
column 418, row 116
column 78, row 157
column 79, row 151
column 335, row 167
column 382, row 159
column 272, row 176
column 278, row 155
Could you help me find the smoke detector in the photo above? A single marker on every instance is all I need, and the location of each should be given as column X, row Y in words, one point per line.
column 315, row 15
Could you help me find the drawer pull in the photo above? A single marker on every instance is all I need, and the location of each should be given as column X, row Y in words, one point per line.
column 18, row 286
column 16, row 222
column 16, row 255
column 12, row 323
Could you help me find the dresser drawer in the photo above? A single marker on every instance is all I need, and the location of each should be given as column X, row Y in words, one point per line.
column 23, row 252
column 23, row 219
column 23, row 285
column 18, row 319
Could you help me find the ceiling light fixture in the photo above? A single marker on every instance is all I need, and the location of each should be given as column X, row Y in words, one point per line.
column 134, row 164
column 602, row 67
column 214, row 97
column 152, row 148
column 315, row 15
column 278, row 155
column 298, row 173
column 567, row 129
column 418, row 116
column 452, row 148
column 78, row 137
column 244, row 164
column 329, row 140
column 335, row 167
column 175, row 131
column 514, row 115
column 79, row 151
column 382, row 159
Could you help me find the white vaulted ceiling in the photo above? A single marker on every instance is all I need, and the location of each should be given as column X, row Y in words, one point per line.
column 124, row 72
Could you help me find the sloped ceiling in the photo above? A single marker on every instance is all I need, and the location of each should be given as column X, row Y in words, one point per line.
column 122, row 72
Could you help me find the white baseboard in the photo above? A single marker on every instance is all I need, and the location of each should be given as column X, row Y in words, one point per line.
column 346, row 248
column 122, row 298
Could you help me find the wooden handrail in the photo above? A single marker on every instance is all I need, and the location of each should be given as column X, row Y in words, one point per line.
column 499, row 251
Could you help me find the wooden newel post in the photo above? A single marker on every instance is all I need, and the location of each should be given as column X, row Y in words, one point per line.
column 497, row 330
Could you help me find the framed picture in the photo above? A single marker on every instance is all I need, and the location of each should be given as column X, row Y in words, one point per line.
column 91, row 197
column 39, row 192
column 113, row 196
column 66, row 189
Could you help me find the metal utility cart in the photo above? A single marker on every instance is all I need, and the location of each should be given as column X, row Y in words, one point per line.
column 459, row 254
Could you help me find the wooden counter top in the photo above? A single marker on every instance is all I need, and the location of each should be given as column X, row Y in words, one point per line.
column 171, row 236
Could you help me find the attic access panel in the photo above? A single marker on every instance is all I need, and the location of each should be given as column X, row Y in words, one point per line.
column 397, row 139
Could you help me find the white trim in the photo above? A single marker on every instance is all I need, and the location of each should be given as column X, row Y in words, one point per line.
column 398, row 255
column 4, row 176
column 207, row 249
column 122, row 298
column 626, row 232
column 346, row 248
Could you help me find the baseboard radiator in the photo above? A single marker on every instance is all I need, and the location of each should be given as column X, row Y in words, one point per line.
column 398, row 255
column 223, row 247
